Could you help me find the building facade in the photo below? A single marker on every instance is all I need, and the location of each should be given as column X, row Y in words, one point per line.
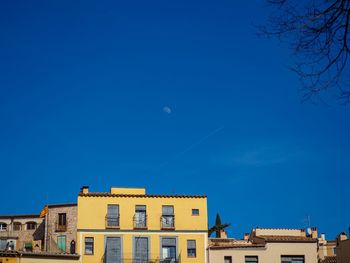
column 21, row 232
column 326, row 248
column 265, row 245
column 60, row 228
column 343, row 248
column 128, row 225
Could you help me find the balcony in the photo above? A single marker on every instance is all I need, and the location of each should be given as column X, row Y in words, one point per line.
column 140, row 221
column 112, row 221
column 167, row 222
column 60, row 228
column 9, row 234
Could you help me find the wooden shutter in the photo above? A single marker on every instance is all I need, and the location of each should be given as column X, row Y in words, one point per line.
column 141, row 249
column 168, row 210
column 113, row 250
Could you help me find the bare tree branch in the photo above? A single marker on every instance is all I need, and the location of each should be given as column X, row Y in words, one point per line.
column 318, row 33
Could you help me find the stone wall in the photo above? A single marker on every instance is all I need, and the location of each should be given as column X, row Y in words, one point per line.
column 53, row 232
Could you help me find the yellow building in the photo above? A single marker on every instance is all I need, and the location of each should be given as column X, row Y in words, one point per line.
column 128, row 225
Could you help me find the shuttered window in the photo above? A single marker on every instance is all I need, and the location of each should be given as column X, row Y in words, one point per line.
column 251, row 259
column 168, row 210
column 62, row 219
column 113, row 215
column 169, row 248
column 89, row 246
column 141, row 250
column 140, row 218
column 191, row 248
column 292, row 259
column 113, row 252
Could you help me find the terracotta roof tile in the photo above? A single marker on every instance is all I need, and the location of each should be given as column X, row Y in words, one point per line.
column 226, row 243
column 332, row 259
column 20, row 216
column 285, row 238
column 107, row 194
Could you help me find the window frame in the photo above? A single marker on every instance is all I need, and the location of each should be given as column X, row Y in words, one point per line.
column 251, row 257
column 229, row 258
column 195, row 209
column 190, row 255
column 2, row 228
column 31, row 223
column 92, row 243
column 64, row 218
column 15, row 224
column 292, row 258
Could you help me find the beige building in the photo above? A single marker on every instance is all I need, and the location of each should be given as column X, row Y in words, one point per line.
column 326, row 249
column 33, row 257
column 266, row 245
column 21, row 232
column 60, row 228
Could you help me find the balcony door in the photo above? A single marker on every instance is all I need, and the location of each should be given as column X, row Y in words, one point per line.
column 168, row 249
column 140, row 216
column 141, row 250
column 113, row 252
column 61, row 243
column 113, row 215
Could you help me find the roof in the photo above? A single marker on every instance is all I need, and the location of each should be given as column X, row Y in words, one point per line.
column 332, row 259
column 107, row 194
column 229, row 243
column 6, row 253
column 61, row 205
column 285, row 238
column 20, row 216
column 271, row 228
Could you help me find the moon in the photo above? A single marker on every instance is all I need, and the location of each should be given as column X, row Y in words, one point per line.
column 167, row 109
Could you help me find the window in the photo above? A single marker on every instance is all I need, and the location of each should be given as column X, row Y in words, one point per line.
column 195, row 212
column 17, row 226
column 251, row 259
column 3, row 226
column 31, row 225
column 62, row 219
column 228, row 259
column 292, row 259
column 168, row 249
column 89, row 246
column 113, row 252
column 140, row 216
column 112, row 219
column 168, row 218
column 141, row 249
column 61, row 243
column 191, row 248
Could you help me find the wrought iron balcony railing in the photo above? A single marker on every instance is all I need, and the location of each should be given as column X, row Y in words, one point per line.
column 140, row 221
column 60, row 227
column 167, row 221
column 112, row 221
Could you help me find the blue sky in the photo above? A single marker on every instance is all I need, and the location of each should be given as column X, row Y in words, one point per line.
column 83, row 91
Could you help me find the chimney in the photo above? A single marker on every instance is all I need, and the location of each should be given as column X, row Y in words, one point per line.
column 314, row 233
column 246, row 236
column 223, row 234
column 342, row 236
column 84, row 189
column 323, row 236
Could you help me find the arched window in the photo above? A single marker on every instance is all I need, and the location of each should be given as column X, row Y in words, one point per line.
column 31, row 225
column 17, row 226
column 3, row 226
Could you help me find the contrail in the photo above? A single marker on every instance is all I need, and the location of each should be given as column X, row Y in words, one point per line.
column 201, row 140
column 193, row 145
